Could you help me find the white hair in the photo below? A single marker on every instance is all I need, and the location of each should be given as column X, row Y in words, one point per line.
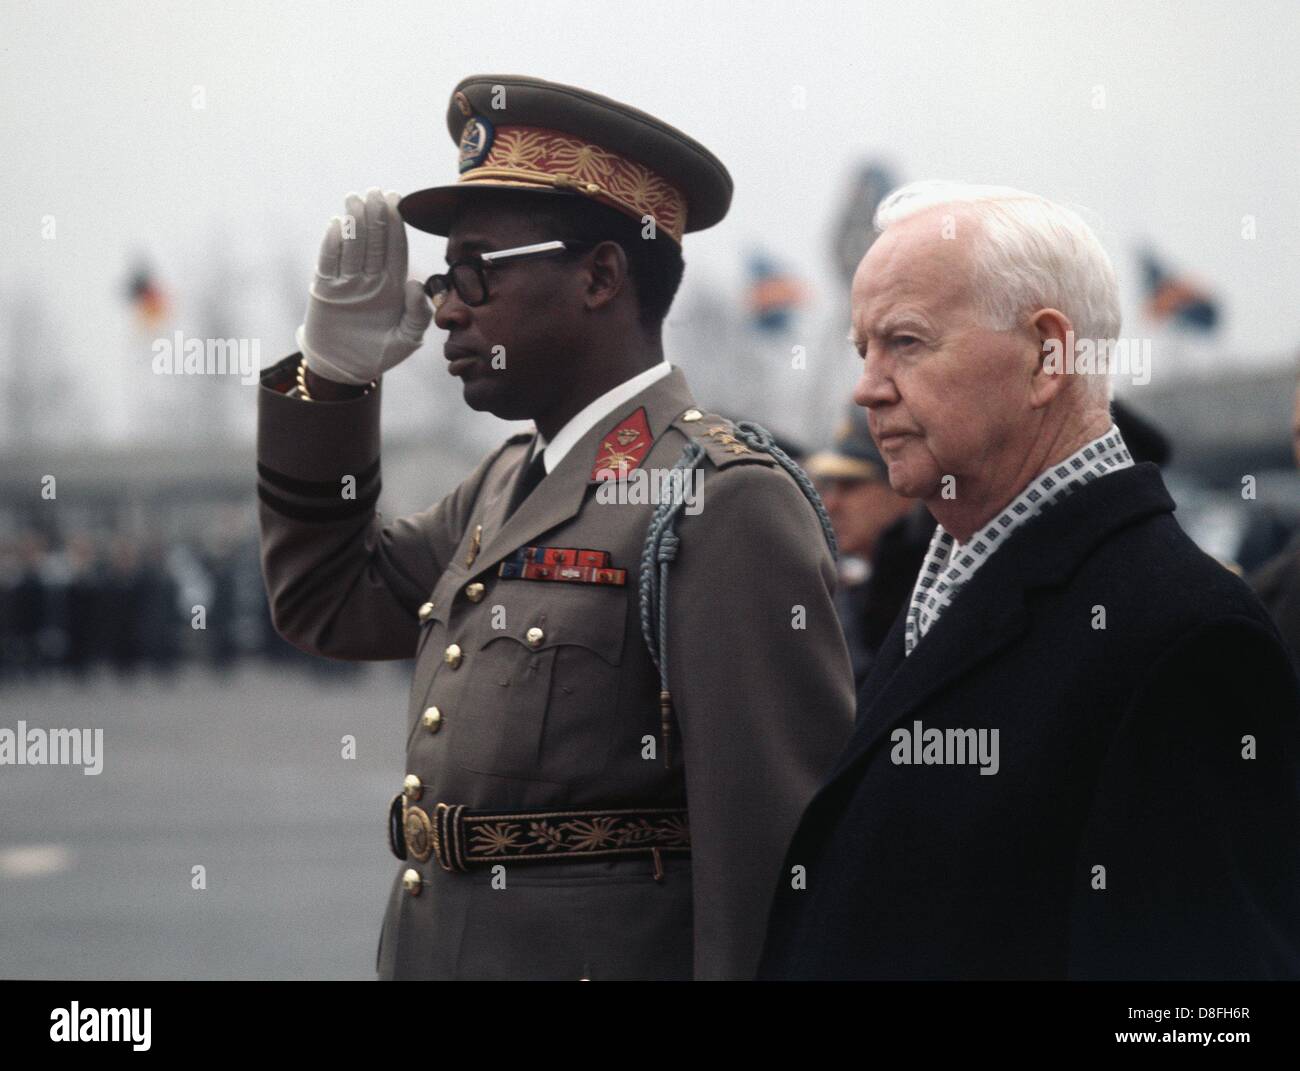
column 1031, row 253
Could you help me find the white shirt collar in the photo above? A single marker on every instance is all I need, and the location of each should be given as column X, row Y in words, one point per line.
column 592, row 414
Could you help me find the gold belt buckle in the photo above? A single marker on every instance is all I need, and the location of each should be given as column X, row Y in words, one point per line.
column 417, row 831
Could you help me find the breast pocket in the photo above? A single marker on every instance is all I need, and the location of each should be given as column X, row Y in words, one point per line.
column 543, row 694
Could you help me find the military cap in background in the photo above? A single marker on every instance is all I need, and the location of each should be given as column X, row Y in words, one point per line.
column 853, row 455
column 526, row 134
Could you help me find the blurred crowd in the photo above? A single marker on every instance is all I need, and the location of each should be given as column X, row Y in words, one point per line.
column 87, row 603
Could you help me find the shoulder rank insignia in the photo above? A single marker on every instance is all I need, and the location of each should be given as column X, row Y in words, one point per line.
column 623, row 448
column 729, row 442
column 722, row 441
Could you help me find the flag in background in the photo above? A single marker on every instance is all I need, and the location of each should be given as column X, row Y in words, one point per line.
column 854, row 231
column 1173, row 299
column 773, row 294
column 147, row 298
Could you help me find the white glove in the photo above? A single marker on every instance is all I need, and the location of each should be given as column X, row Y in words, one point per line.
column 363, row 315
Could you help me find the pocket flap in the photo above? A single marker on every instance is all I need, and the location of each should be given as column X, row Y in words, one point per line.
column 578, row 615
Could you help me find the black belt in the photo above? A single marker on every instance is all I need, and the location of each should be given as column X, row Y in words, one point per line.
column 459, row 838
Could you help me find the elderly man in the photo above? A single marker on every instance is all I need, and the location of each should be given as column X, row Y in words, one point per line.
column 1077, row 753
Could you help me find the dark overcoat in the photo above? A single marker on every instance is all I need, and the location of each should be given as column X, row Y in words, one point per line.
column 1144, row 819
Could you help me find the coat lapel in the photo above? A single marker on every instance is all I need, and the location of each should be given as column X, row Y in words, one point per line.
column 992, row 611
column 560, row 496
column 958, row 642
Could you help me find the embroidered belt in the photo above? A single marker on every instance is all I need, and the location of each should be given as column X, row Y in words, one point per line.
column 459, row 838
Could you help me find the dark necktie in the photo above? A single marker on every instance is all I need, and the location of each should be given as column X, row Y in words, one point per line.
column 533, row 474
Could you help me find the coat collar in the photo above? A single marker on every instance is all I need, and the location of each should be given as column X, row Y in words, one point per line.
column 991, row 611
column 561, row 494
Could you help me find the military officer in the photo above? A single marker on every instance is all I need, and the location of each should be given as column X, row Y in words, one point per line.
column 604, row 763
column 882, row 536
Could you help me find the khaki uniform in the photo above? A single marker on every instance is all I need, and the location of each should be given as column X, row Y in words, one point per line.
column 541, row 696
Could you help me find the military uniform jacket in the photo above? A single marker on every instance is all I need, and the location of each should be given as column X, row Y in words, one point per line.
column 545, row 692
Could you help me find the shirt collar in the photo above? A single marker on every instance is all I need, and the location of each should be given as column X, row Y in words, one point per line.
column 593, row 413
column 947, row 567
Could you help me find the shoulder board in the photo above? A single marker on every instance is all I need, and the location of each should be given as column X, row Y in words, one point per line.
column 718, row 436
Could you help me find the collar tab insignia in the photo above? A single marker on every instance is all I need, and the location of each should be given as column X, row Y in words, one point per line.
column 623, row 448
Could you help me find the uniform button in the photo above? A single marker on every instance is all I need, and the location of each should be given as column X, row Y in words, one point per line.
column 426, row 612
column 411, row 882
column 452, row 655
column 692, row 415
column 474, row 592
column 411, row 787
column 432, row 719
column 534, row 636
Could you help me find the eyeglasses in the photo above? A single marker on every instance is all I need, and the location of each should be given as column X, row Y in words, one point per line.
column 468, row 276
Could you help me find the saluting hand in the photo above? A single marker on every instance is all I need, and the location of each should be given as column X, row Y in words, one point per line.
column 363, row 314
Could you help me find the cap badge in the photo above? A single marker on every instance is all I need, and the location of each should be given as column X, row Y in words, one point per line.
column 475, row 142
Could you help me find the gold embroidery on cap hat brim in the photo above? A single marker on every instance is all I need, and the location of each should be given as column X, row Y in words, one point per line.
column 535, row 156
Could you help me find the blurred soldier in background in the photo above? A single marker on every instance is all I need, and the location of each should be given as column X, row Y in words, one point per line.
column 85, row 606
column 158, row 616
column 27, row 615
column 122, row 597
column 221, row 564
column 882, row 537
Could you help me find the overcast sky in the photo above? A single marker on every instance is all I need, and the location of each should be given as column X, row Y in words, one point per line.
column 305, row 102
